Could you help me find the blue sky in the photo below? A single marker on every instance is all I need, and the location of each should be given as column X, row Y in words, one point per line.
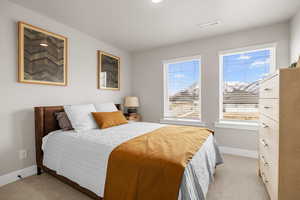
column 246, row 67
column 182, row 75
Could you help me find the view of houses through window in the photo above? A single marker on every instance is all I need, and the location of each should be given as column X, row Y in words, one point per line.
column 182, row 94
column 242, row 72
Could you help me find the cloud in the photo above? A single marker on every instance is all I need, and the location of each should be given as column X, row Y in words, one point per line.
column 264, row 75
column 244, row 57
column 260, row 63
column 178, row 75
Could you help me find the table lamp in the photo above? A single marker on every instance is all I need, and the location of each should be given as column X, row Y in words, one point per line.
column 131, row 103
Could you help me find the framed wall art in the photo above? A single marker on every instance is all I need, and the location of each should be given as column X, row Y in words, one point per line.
column 108, row 72
column 43, row 56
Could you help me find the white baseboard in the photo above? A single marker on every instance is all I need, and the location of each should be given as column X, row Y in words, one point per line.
column 239, row 152
column 13, row 176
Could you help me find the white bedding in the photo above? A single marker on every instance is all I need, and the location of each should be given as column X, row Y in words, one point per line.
column 83, row 156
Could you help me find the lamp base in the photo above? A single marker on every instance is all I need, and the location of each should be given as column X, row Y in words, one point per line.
column 131, row 110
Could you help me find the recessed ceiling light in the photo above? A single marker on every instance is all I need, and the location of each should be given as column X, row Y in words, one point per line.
column 209, row 24
column 44, row 44
column 156, row 1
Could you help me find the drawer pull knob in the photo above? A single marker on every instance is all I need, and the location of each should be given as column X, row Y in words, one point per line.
column 265, row 144
column 265, row 180
column 265, row 125
column 267, row 107
column 267, row 89
column 264, row 161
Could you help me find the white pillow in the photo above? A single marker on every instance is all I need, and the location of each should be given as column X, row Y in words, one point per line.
column 81, row 116
column 106, row 107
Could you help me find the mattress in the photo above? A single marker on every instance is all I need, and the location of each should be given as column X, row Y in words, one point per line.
column 83, row 156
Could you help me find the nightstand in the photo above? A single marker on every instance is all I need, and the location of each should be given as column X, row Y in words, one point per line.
column 133, row 117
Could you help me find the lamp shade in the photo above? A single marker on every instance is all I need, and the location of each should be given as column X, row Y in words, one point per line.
column 131, row 102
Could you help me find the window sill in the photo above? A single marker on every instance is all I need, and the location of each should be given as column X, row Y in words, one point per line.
column 251, row 126
column 184, row 122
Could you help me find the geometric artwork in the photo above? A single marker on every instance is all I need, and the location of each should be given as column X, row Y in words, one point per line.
column 42, row 56
column 108, row 71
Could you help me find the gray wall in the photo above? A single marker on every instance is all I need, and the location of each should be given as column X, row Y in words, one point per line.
column 148, row 75
column 17, row 100
column 295, row 37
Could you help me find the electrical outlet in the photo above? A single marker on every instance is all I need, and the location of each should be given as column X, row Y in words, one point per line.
column 23, row 154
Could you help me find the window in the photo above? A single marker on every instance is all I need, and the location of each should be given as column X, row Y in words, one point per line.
column 182, row 89
column 241, row 72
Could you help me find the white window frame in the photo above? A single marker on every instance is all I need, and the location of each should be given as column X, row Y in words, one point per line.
column 166, row 63
column 241, row 124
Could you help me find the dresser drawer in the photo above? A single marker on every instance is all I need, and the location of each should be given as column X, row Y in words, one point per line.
column 270, row 88
column 269, row 176
column 270, row 108
column 266, row 176
column 267, row 154
column 268, row 129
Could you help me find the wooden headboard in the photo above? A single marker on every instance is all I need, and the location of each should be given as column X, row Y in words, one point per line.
column 45, row 122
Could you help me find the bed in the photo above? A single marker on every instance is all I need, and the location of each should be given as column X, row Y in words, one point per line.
column 80, row 160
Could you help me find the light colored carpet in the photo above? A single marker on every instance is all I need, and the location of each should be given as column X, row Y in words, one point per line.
column 235, row 180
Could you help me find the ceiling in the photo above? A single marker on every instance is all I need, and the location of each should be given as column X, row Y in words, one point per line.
column 136, row 25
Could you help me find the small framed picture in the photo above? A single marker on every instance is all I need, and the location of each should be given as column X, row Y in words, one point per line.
column 108, row 71
column 42, row 56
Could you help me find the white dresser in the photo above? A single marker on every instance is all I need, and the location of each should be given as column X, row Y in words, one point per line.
column 279, row 134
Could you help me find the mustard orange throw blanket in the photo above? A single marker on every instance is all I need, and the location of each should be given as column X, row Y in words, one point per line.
column 151, row 166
